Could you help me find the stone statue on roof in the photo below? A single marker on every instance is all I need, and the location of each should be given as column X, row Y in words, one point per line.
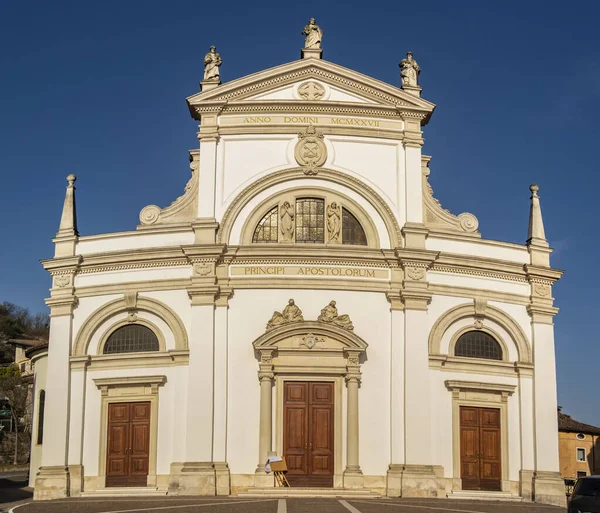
column 313, row 34
column 212, row 61
column 409, row 71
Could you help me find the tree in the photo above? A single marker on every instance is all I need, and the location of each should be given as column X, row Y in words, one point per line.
column 16, row 390
column 17, row 322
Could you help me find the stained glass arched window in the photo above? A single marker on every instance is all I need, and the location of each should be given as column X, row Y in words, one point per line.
column 133, row 338
column 310, row 220
column 266, row 230
column 352, row 231
column 478, row 344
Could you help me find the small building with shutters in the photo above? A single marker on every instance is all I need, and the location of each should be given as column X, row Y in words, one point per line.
column 307, row 296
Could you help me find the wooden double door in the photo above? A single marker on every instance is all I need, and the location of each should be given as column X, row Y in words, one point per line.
column 308, row 433
column 128, row 447
column 480, row 448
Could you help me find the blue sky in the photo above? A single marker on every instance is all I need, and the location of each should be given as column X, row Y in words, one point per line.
column 98, row 89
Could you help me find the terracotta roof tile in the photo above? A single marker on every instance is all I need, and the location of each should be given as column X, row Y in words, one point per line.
column 566, row 423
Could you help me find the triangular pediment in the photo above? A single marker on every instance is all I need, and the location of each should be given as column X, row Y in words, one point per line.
column 308, row 81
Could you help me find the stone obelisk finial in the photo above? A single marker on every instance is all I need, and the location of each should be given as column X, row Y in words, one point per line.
column 536, row 237
column 67, row 234
column 536, row 234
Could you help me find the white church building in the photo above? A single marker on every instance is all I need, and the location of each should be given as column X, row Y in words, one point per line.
column 306, row 297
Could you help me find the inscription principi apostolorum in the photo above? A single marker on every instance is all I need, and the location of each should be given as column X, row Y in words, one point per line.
column 294, row 270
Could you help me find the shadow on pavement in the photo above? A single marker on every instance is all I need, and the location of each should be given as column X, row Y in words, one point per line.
column 13, row 490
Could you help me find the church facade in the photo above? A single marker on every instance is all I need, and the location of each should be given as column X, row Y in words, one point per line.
column 306, row 297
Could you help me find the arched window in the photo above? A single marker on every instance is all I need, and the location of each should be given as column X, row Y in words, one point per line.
column 133, row 338
column 266, row 230
column 478, row 344
column 308, row 216
column 352, row 231
column 40, row 427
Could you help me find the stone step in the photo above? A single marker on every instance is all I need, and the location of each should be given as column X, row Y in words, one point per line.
column 480, row 495
column 124, row 492
column 310, row 492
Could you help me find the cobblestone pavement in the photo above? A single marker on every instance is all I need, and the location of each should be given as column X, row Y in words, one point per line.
column 268, row 505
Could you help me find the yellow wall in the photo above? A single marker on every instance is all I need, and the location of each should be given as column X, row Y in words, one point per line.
column 568, row 444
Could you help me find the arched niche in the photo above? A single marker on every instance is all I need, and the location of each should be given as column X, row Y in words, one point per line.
column 131, row 304
column 326, row 179
column 504, row 321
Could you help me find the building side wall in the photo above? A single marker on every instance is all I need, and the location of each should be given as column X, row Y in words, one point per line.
column 568, row 445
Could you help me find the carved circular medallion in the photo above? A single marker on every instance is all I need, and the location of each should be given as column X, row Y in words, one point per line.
column 468, row 222
column 149, row 214
column 62, row 280
column 311, row 91
column 310, row 150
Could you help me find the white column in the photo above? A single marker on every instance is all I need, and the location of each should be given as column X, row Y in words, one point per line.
column 220, row 394
column 352, row 465
column 414, row 183
column 545, row 399
column 199, row 425
column 397, row 456
column 56, row 413
column 527, row 434
column 417, row 413
column 52, row 481
column 266, row 416
column 207, row 181
column 78, row 387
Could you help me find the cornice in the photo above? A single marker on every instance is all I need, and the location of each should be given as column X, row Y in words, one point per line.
column 330, row 73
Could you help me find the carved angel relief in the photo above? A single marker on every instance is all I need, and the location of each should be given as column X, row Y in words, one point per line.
column 334, row 222
column 330, row 314
column 310, row 151
column 291, row 313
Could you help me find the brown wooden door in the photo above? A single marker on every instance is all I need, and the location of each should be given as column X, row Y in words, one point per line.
column 308, row 433
column 128, row 446
column 480, row 459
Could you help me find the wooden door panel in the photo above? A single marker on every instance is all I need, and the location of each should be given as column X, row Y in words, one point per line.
column 480, row 448
column 308, row 433
column 128, row 444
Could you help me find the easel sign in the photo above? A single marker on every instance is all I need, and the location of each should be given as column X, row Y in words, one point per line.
column 279, row 467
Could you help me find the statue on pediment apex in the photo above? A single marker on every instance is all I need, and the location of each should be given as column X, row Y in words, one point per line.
column 291, row 313
column 409, row 71
column 212, row 61
column 313, row 34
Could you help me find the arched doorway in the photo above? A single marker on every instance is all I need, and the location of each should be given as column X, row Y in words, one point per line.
column 308, row 362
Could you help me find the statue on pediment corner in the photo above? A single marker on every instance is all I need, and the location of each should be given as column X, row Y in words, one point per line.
column 409, row 71
column 313, row 34
column 330, row 314
column 291, row 313
column 212, row 61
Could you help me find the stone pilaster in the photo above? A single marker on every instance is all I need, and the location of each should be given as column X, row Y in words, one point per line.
column 53, row 481
column 265, row 440
column 353, row 476
column 394, row 473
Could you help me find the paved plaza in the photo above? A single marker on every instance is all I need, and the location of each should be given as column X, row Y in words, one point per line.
column 275, row 505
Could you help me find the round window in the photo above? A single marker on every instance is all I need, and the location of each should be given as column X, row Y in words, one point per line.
column 580, row 436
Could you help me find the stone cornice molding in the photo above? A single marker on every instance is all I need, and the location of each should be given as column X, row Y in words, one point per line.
column 153, row 382
column 112, row 308
column 327, row 72
column 325, row 174
column 477, row 385
column 451, row 316
column 62, row 304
